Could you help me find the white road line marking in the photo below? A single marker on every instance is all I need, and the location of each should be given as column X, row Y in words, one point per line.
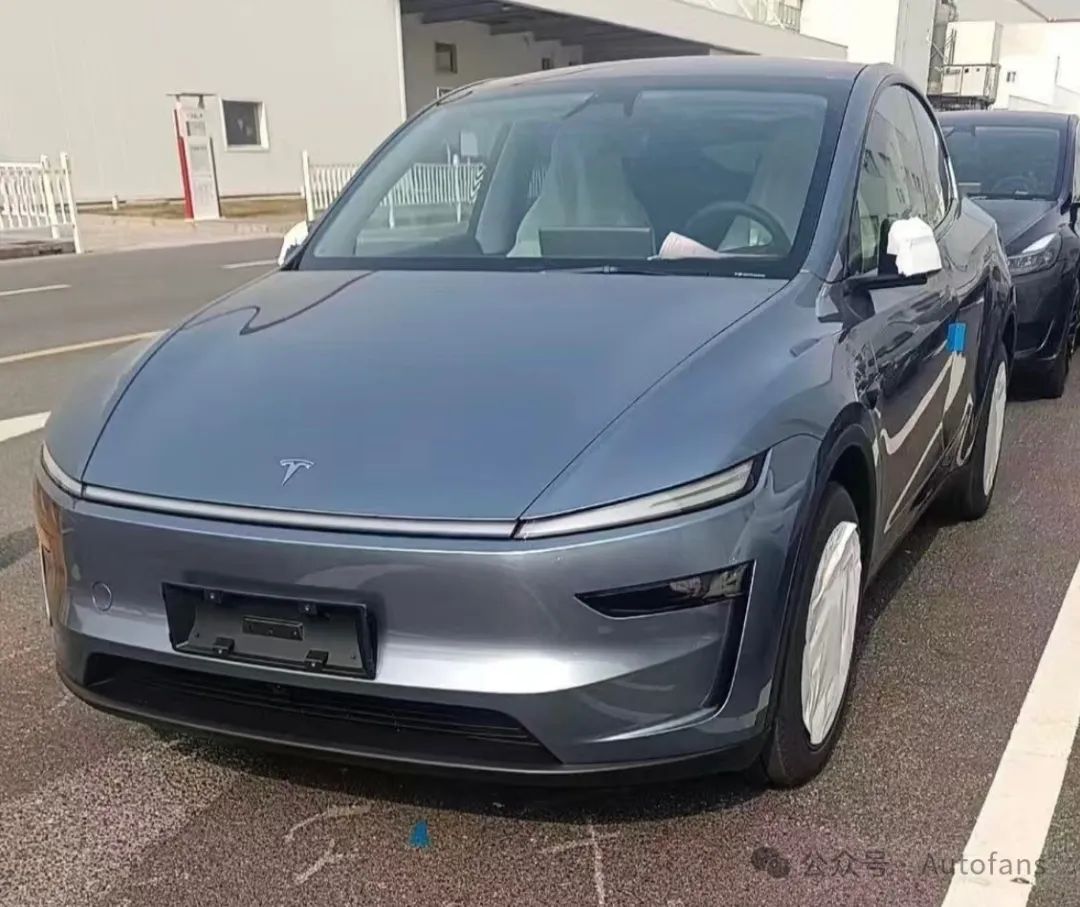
column 327, row 858
column 334, row 812
column 261, row 263
column 593, row 843
column 76, row 347
column 1019, row 807
column 21, row 425
column 45, row 289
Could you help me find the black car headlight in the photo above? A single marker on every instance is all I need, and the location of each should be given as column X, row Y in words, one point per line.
column 1038, row 256
column 729, row 586
column 716, row 489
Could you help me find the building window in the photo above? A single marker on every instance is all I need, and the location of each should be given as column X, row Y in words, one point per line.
column 1010, row 76
column 547, row 63
column 445, row 57
column 245, row 124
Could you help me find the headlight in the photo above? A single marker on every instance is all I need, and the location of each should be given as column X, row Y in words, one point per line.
column 1039, row 256
column 50, row 535
column 731, row 587
column 716, row 489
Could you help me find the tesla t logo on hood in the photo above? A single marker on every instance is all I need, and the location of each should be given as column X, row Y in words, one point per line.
column 292, row 466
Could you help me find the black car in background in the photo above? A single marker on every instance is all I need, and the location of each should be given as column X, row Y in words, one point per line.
column 1022, row 168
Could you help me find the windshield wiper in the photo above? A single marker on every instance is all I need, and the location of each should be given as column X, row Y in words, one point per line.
column 630, row 267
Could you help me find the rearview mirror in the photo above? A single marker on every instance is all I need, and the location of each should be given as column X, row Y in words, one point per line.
column 908, row 255
column 911, row 243
column 292, row 241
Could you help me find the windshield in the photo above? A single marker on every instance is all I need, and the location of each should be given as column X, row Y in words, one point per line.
column 1007, row 161
column 709, row 180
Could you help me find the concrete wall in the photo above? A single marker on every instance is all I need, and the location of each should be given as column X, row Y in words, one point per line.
column 976, row 43
column 1034, row 78
column 92, row 78
column 914, row 32
column 480, row 55
column 1037, row 85
column 868, row 30
column 1059, row 40
column 879, row 31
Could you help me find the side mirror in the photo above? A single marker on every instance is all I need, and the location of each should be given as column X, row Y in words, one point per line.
column 913, row 245
column 909, row 255
column 292, row 241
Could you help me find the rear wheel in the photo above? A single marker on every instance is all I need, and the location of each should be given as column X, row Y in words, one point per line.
column 972, row 488
column 815, row 677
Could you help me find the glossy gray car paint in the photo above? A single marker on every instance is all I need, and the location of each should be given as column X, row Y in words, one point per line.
column 498, row 396
column 405, row 361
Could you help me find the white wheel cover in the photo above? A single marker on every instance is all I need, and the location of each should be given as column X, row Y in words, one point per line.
column 995, row 428
column 830, row 630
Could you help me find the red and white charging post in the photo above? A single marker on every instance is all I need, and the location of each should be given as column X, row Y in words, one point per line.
column 195, row 148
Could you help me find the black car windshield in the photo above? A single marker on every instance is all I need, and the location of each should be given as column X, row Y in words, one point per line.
column 1007, row 161
column 716, row 180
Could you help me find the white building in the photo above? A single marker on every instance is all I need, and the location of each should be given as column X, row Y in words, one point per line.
column 1027, row 52
column 875, row 31
column 99, row 79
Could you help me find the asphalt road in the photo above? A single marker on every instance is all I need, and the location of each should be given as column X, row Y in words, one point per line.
column 97, row 811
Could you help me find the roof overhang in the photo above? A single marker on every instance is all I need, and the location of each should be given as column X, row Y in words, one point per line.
column 1020, row 11
column 573, row 21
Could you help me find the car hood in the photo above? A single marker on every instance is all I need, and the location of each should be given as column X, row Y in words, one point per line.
column 1015, row 217
column 437, row 395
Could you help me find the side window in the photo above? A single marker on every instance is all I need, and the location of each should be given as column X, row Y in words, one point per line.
column 892, row 178
column 935, row 164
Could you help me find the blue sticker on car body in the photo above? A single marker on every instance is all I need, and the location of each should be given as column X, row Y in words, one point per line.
column 957, row 336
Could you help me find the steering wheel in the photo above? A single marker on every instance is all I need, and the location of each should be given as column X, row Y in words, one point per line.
column 710, row 217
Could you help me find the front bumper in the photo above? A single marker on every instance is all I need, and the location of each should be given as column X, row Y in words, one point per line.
column 487, row 660
column 1043, row 306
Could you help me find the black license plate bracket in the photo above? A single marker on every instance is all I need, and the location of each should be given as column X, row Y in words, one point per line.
column 297, row 634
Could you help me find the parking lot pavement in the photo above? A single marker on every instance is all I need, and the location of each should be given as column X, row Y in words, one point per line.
column 94, row 810
column 62, row 300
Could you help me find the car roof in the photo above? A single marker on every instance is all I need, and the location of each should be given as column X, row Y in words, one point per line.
column 696, row 70
column 1005, row 118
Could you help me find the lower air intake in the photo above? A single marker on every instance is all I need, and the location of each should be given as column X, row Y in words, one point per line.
column 368, row 725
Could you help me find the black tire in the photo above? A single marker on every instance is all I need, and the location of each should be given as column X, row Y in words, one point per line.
column 966, row 497
column 789, row 759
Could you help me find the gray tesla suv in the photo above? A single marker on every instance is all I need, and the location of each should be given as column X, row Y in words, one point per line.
column 566, row 443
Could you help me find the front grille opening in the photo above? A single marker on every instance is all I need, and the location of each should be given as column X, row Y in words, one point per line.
column 367, row 725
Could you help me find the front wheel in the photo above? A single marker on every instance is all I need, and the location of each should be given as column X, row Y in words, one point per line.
column 815, row 677
column 972, row 488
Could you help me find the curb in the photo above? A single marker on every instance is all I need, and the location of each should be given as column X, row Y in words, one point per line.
column 35, row 249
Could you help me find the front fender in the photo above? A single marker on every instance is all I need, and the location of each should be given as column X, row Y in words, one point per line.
column 74, row 426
